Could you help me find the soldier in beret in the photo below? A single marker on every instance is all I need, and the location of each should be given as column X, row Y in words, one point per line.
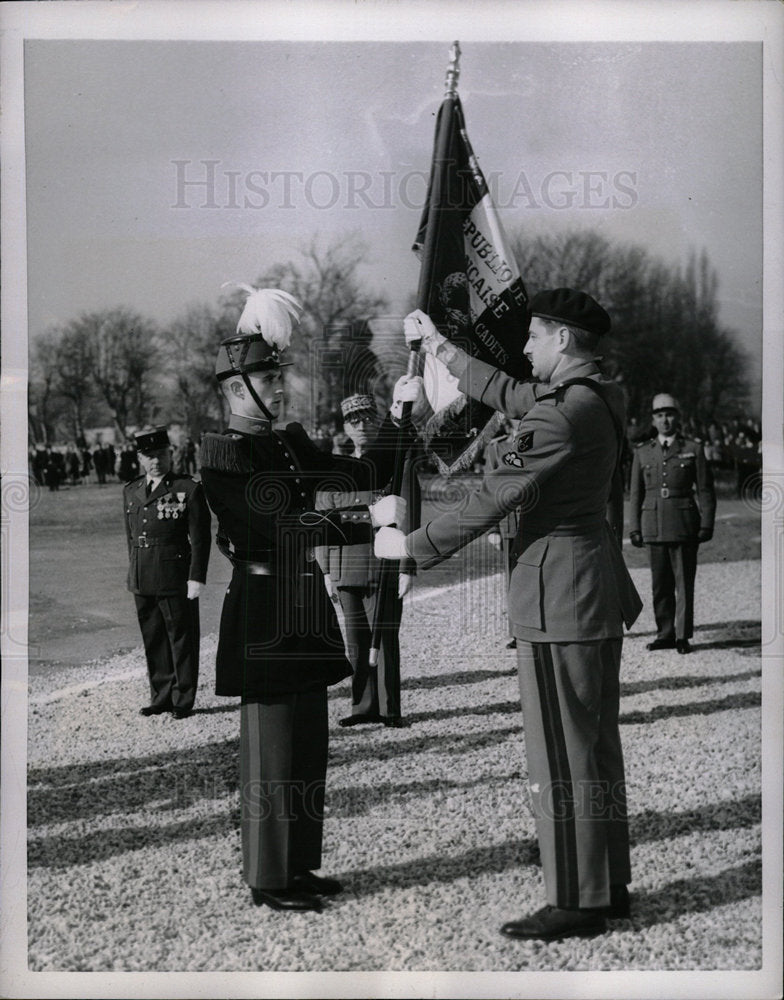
column 672, row 510
column 280, row 645
column 570, row 595
column 351, row 574
column 167, row 523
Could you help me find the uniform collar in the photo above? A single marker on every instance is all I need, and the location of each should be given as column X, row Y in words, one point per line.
column 256, row 426
column 575, row 369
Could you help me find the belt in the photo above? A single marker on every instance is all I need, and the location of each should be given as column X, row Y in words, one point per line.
column 143, row 542
column 667, row 494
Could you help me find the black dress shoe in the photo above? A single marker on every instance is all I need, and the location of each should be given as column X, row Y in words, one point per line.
column 620, row 905
column 285, row 899
column 552, row 924
column 360, row 719
column 393, row 721
column 154, row 709
column 315, row 884
column 682, row 645
column 661, row 644
column 182, row 713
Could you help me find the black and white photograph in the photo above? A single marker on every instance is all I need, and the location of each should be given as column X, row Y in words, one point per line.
column 392, row 499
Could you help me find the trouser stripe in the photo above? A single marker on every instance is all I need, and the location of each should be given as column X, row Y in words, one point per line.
column 561, row 800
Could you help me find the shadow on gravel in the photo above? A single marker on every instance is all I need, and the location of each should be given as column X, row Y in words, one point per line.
column 437, row 869
column 360, row 799
column 359, row 750
column 685, row 680
column 731, row 814
column 741, row 623
column 696, row 895
column 156, row 784
column 63, row 852
column 494, row 708
column 750, row 699
column 459, row 677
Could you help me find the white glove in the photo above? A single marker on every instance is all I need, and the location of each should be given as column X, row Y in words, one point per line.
column 495, row 540
column 194, row 589
column 390, row 543
column 404, row 583
column 419, row 326
column 388, row 510
column 408, row 389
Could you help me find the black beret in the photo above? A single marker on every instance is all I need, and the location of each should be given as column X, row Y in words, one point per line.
column 565, row 305
column 151, row 439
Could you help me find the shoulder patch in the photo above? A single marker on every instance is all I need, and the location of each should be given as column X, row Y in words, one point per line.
column 526, row 441
column 513, row 459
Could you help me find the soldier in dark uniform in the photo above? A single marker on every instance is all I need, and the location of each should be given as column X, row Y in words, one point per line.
column 167, row 522
column 570, row 596
column 352, row 573
column 280, row 645
column 672, row 509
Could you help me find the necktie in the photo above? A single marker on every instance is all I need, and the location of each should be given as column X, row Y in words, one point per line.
column 149, row 487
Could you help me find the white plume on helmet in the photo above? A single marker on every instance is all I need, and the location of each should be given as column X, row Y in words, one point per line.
column 270, row 312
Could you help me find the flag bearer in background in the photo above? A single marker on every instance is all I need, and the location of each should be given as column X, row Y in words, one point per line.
column 569, row 597
column 279, row 645
column 351, row 574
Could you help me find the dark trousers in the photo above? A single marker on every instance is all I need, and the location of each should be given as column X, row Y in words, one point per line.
column 283, row 769
column 673, row 569
column 374, row 690
column 170, row 630
column 570, row 695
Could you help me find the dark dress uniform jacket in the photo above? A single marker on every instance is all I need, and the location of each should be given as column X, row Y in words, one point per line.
column 279, row 633
column 569, row 582
column 168, row 535
column 673, row 497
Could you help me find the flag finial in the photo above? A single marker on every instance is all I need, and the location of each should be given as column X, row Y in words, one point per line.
column 453, row 70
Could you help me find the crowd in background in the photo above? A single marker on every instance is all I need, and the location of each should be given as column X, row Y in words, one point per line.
column 72, row 464
column 732, row 446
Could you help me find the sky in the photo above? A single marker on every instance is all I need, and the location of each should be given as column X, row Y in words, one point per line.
column 156, row 170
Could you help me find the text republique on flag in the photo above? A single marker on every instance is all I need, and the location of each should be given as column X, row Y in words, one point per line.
column 471, row 288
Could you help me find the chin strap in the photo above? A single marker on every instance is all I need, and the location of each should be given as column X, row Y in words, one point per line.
column 256, row 399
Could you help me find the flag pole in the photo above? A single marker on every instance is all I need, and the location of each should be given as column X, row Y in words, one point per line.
column 390, row 568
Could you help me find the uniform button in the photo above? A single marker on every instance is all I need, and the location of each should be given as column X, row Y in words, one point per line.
column 297, row 480
column 293, row 469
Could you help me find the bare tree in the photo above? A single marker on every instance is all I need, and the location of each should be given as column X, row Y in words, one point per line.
column 189, row 346
column 665, row 329
column 335, row 337
column 123, row 351
column 75, row 362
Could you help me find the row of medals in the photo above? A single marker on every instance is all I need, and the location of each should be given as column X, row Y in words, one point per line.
column 168, row 508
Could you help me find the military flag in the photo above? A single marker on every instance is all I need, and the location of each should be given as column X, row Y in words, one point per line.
column 469, row 285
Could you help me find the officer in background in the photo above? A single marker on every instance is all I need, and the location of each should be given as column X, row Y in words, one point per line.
column 167, row 523
column 569, row 598
column 672, row 510
column 280, row 645
column 351, row 575
column 503, row 538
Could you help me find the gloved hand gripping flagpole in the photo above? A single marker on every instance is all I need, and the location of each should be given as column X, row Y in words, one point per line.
column 390, row 568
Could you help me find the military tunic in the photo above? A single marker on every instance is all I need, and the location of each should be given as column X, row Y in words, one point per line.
column 672, row 499
column 280, row 644
column 168, row 534
column 570, row 595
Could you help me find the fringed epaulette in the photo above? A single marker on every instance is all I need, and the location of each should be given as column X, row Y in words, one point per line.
column 225, row 453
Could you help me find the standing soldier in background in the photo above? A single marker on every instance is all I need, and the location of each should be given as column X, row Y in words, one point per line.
column 280, row 645
column 351, row 575
column 569, row 598
column 168, row 527
column 672, row 509
column 506, row 533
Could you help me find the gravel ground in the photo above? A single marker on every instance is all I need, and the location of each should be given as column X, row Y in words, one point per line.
column 134, row 855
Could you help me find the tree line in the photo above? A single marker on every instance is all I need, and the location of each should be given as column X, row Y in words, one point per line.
column 119, row 367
